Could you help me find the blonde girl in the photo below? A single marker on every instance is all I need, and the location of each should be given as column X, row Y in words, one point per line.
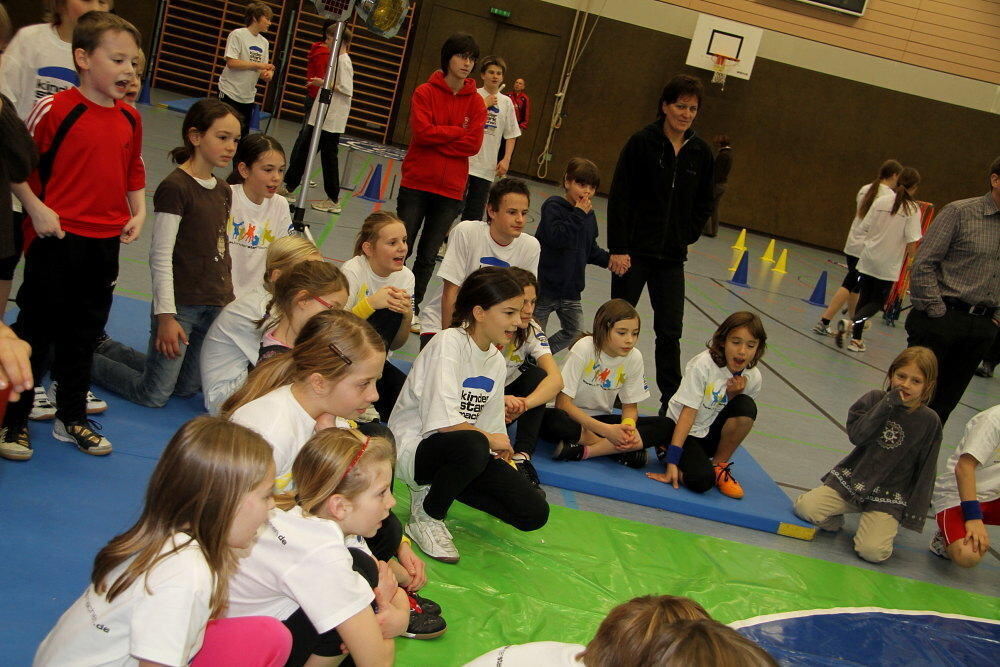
column 449, row 419
column 258, row 217
column 158, row 591
column 380, row 289
column 533, row 378
column 714, row 408
column 889, row 476
column 380, row 283
column 312, row 569
column 232, row 344
column 190, row 264
column 308, row 288
column 601, row 367
column 327, row 379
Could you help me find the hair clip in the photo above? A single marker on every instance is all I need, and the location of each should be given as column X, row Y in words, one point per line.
column 336, row 351
column 357, row 457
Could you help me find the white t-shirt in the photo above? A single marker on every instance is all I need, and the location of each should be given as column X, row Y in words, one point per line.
column 886, row 236
column 362, row 281
column 241, row 84
column 452, row 381
column 594, row 380
column 703, row 387
column 159, row 618
column 299, row 561
column 471, row 247
column 981, row 440
column 281, row 420
column 536, row 345
column 36, row 63
column 535, row 654
column 340, row 102
column 231, row 346
column 501, row 124
column 252, row 230
column 855, row 237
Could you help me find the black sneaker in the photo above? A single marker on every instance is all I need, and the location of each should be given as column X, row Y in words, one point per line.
column 424, row 626
column 636, row 459
column 567, row 451
column 422, row 605
column 526, row 468
column 84, row 435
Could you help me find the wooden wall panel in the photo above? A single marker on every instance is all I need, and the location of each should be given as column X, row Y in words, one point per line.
column 955, row 36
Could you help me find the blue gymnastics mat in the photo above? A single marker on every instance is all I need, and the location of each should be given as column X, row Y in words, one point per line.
column 763, row 507
column 183, row 105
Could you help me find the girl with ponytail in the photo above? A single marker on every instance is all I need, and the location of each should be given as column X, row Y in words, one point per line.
column 190, row 264
column 847, row 293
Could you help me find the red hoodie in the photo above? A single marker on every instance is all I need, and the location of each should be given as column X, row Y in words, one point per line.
column 319, row 56
column 446, row 128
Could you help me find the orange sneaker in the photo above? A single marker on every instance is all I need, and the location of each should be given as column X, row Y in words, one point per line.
column 728, row 486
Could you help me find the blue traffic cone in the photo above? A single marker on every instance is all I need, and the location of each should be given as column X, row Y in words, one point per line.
column 147, row 86
column 373, row 190
column 742, row 271
column 818, row 297
column 255, row 118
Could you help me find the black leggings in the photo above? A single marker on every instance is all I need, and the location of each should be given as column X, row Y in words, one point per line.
column 874, row 292
column 696, row 461
column 459, row 466
column 530, row 421
column 557, row 425
column 852, row 281
column 305, row 640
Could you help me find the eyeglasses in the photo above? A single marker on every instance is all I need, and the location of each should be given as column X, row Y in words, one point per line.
column 332, row 306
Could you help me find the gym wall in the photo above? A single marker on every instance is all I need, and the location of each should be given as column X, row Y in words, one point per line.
column 804, row 140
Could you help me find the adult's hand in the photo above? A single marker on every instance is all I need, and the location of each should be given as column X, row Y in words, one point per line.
column 620, row 264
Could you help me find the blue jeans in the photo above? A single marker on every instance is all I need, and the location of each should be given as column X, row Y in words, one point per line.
column 569, row 312
column 151, row 379
column 434, row 214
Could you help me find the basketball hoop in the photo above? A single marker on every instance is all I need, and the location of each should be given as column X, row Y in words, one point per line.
column 721, row 65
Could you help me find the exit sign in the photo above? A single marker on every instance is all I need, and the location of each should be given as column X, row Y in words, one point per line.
column 502, row 13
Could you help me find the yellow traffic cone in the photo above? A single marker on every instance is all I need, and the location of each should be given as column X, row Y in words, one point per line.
column 768, row 255
column 741, row 241
column 782, row 264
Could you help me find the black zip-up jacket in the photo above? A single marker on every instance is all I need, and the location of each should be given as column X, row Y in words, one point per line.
column 659, row 201
column 568, row 237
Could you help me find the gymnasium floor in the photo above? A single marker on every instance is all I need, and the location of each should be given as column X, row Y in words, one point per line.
column 808, row 386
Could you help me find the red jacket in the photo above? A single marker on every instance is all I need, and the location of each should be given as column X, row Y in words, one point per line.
column 522, row 108
column 447, row 128
column 319, row 56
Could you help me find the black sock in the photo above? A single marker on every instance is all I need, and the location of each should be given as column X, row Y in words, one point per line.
column 825, row 321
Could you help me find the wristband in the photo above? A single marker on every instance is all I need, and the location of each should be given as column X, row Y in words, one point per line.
column 363, row 309
column 674, row 454
column 628, row 421
column 405, row 540
column 972, row 510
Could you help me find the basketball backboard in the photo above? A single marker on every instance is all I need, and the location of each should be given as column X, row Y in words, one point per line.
column 714, row 36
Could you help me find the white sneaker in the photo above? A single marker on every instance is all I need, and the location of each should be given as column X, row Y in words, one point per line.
column 415, row 324
column 95, row 406
column 430, row 534
column 328, row 206
column 857, row 346
column 938, row 547
column 83, row 435
column 43, row 408
column 442, row 251
column 313, row 184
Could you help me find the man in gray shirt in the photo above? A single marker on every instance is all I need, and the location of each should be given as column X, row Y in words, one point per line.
column 955, row 290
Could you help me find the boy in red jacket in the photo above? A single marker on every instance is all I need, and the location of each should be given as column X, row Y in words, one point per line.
column 446, row 123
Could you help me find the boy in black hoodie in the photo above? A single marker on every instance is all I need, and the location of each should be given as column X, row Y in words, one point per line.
column 567, row 233
column 660, row 199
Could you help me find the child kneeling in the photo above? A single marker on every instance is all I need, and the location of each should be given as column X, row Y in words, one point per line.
column 889, row 476
column 713, row 410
